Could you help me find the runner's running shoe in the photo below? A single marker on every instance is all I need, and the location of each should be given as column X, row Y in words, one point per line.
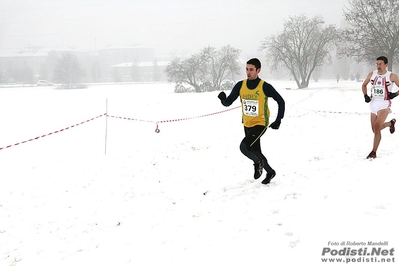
column 372, row 155
column 258, row 169
column 392, row 126
column 269, row 176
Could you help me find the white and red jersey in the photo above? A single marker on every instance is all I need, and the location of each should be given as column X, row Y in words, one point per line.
column 380, row 85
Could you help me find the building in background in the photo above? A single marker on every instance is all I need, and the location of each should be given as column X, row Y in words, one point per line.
column 140, row 71
column 113, row 64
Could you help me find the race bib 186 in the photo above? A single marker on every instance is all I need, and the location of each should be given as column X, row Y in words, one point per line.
column 378, row 91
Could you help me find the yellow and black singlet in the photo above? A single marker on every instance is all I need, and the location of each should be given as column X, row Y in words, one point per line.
column 254, row 103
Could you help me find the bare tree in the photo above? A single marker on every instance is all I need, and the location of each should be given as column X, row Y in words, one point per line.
column 68, row 70
column 206, row 71
column 373, row 30
column 303, row 46
column 221, row 65
column 188, row 71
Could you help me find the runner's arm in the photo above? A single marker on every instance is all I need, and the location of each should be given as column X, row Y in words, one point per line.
column 395, row 79
column 235, row 92
column 365, row 82
column 270, row 91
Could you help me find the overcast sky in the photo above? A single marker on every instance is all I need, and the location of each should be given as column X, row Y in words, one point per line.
column 166, row 25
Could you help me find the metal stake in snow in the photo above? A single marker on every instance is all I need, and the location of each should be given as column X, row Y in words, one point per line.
column 106, row 124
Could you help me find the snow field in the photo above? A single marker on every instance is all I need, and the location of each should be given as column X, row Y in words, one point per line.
column 186, row 196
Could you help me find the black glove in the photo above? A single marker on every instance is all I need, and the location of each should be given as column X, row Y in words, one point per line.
column 275, row 124
column 367, row 98
column 222, row 96
column 392, row 95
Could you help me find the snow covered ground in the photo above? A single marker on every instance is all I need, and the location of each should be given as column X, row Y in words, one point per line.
column 111, row 191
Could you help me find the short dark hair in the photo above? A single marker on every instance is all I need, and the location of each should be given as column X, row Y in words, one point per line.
column 255, row 62
column 383, row 58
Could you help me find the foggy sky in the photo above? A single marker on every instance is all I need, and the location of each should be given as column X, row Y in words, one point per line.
column 166, row 25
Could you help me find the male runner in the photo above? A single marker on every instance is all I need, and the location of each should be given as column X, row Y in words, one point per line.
column 254, row 94
column 381, row 81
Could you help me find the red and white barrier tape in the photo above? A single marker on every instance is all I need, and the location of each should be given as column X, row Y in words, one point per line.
column 326, row 112
column 173, row 120
column 340, row 113
column 193, row 117
column 51, row 133
column 158, row 122
column 129, row 118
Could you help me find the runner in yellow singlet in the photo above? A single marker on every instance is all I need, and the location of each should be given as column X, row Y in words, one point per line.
column 254, row 94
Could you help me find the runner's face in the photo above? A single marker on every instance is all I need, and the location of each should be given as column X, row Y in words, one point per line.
column 381, row 66
column 252, row 72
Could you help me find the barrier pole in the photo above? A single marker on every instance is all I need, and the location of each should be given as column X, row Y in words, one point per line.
column 106, row 125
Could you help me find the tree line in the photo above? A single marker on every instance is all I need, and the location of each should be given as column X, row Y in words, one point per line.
column 304, row 45
column 208, row 70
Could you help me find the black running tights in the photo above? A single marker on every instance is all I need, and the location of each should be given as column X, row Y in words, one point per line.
column 250, row 145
